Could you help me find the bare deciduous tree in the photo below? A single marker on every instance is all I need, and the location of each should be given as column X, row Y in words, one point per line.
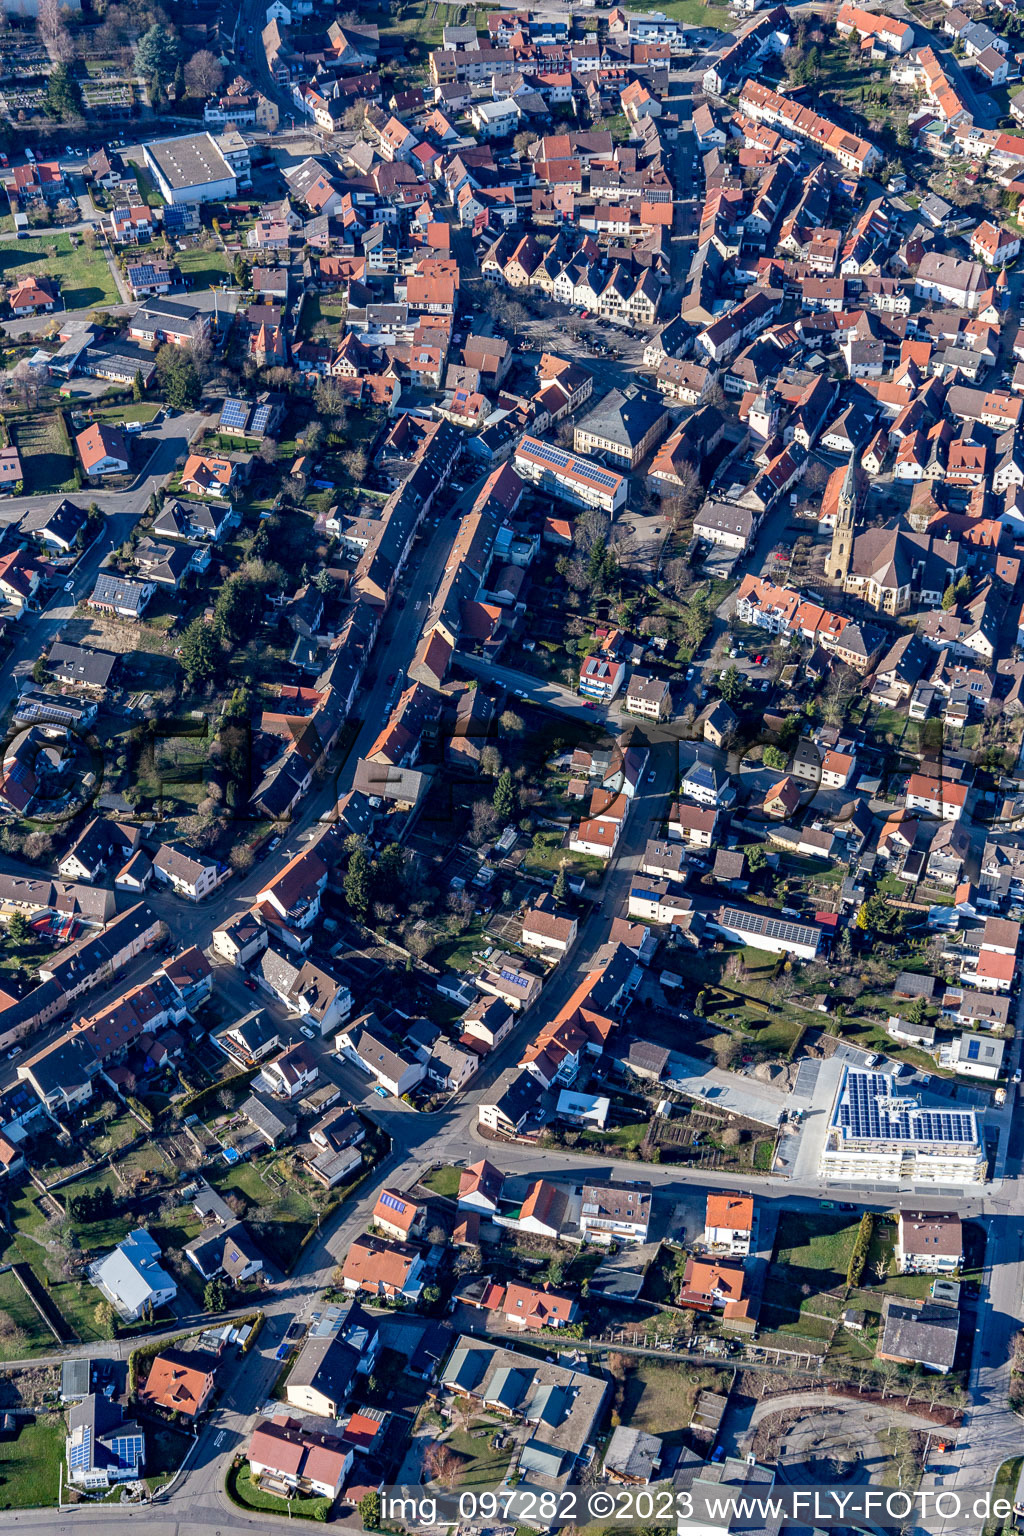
column 203, row 74
column 48, row 19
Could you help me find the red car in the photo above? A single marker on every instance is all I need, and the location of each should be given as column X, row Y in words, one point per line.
column 248, row 982
column 757, row 661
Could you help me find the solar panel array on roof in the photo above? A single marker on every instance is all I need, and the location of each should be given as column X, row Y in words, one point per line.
column 81, row 1452
column 392, row 1202
column 260, row 418
column 127, row 1449
column 769, row 927
column 515, row 977
column 235, row 414
column 559, row 459
column 870, row 1110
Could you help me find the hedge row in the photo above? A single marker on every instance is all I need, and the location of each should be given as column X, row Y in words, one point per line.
column 858, row 1257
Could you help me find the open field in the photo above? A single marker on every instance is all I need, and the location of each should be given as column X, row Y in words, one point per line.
column 84, row 275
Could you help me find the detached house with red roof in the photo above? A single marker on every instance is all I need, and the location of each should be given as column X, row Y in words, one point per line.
column 383, row 1269
column 601, row 677
column 19, row 579
column 286, row 1459
column 180, row 1381
column 994, row 245
column 525, row 1307
column 290, row 902
column 209, row 475
column 480, row 1188
column 32, row 296
column 396, row 1215
column 130, row 225
column 103, row 450
column 938, row 797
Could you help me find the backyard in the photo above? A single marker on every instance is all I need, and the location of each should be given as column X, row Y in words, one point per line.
column 658, row 1399
column 47, row 457
column 30, row 1463
column 282, row 1200
column 203, row 269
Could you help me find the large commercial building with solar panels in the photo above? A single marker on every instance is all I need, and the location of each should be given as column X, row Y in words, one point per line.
column 879, row 1135
column 570, row 477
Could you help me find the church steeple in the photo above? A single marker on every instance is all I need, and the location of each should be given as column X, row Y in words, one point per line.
column 837, row 566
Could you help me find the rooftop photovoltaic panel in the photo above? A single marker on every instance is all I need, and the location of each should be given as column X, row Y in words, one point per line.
column 771, row 927
column 127, row 1449
column 260, row 418
column 558, row 458
column 235, row 413
column 392, row 1202
column 870, row 1110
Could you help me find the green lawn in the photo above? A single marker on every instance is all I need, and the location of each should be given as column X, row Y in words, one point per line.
column 812, row 1254
column 459, row 951
column 242, row 1490
column 30, row 1463
column 482, row 1467
column 547, row 853
column 166, row 1449
column 444, row 1181
column 289, row 1204
column 626, row 1137
column 660, row 1398
column 144, row 411
column 204, row 269
column 1004, row 1487
column 147, row 186
column 84, row 276
column 321, row 310
column 31, row 1333
column 696, row 13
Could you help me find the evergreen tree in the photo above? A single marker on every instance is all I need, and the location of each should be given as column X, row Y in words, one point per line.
column 137, row 386
column 561, row 886
column 730, row 685
column 358, row 884
column 179, row 82
column 17, row 928
column 198, row 652
column 504, row 795
column 215, row 1295
column 63, row 97
column 157, row 54
column 179, row 378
